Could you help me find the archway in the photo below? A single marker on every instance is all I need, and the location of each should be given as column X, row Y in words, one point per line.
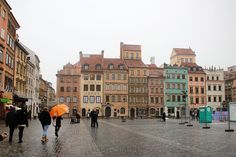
column 83, row 112
column 107, row 112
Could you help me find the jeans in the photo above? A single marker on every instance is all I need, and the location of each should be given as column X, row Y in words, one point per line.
column 45, row 130
column 21, row 129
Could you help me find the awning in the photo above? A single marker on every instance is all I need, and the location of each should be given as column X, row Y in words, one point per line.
column 5, row 100
column 17, row 98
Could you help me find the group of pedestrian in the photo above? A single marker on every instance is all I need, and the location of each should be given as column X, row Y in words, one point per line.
column 194, row 113
column 94, row 118
column 16, row 119
column 45, row 120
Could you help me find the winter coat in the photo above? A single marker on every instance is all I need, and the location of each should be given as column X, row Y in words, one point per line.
column 58, row 121
column 45, row 118
column 22, row 118
column 11, row 119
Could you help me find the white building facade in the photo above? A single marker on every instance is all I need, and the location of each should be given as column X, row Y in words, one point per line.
column 215, row 87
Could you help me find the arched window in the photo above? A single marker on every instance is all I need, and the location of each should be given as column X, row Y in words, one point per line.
column 122, row 110
column 152, row 111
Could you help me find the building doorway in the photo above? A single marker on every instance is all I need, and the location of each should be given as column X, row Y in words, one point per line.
column 107, row 112
column 83, row 112
column 132, row 113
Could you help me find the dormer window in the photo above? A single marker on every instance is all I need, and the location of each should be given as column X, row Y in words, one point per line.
column 121, row 66
column 110, row 66
column 98, row 67
column 86, row 67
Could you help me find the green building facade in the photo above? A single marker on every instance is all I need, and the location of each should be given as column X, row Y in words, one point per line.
column 175, row 90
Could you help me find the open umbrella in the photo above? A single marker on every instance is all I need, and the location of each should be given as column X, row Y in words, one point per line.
column 59, row 110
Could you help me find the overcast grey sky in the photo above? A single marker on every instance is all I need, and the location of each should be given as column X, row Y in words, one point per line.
column 58, row 29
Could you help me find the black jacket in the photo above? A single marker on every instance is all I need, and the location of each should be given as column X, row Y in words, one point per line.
column 11, row 119
column 45, row 118
column 22, row 118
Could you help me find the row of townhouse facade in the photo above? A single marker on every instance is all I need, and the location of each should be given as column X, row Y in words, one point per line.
column 19, row 67
column 125, row 86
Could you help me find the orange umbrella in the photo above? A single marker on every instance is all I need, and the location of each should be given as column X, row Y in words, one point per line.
column 59, row 110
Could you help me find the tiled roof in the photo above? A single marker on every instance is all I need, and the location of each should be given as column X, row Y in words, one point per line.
column 135, row 63
column 151, row 66
column 131, row 47
column 92, row 60
column 187, row 64
column 115, row 61
column 183, row 51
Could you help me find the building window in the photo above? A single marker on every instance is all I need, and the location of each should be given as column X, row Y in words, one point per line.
column 124, row 77
column 113, row 76
column 144, row 72
column 61, row 99
column 121, row 66
column 86, row 67
column 178, row 98
column 86, row 77
column 202, row 79
column 1, row 54
column 98, row 67
column 202, row 90
column 110, row 66
column 207, row 77
column 91, row 99
column 212, row 78
column 85, row 87
column 2, row 33
column 220, row 99
column 197, row 100
column 217, row 78
column 214, row 87
column 173, row 98
column 191, row 100
column 113, row 98
column 85, row 99
column 190, row 78
column 98, row 77
column 122, row 110
column 183, row 76
column 191, row 90
column 107, row 77
column 214, row 98
column 196, row 90
column 209, row 99
column 152, row 100
column 74, row 99
column 196, row 79
column 219, row 87
column 107, row 98
column 98, row 99
column 98, row 87
column 203, row 100
column 92, row 77
column 209, row 87
column 68, row 99
column 132, row 55
column 62, row 89
column 92, row 88
column 138, row 72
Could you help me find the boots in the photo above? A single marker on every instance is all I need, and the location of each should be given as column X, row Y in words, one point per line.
column 44, row 139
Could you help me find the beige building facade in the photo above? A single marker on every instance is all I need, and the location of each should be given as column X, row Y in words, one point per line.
column 182, row 55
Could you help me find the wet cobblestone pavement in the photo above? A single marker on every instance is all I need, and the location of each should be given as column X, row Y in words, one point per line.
column 113, row 138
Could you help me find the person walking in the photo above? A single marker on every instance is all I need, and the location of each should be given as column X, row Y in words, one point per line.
column 164, row 116
column 78, row 117
column 95, row 119
column 11, row 122
column 45, row 120
column 22, row 122
column 58, row 124
column 91, row 115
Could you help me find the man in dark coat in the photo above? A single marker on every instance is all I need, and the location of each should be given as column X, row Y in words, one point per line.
column 91, row 115
column 45, row 120
column 164, row 116
column 11, row 122
column 22, row 122
column 58, row 124
column 95, row 118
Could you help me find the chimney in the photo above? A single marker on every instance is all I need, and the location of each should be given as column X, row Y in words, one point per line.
column 80, row 55
column 102, row 52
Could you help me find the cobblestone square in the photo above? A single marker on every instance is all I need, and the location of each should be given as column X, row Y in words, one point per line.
column 133, row 138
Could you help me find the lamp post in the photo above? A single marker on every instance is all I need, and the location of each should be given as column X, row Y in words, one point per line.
column 185, row 104
column 229, row 130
